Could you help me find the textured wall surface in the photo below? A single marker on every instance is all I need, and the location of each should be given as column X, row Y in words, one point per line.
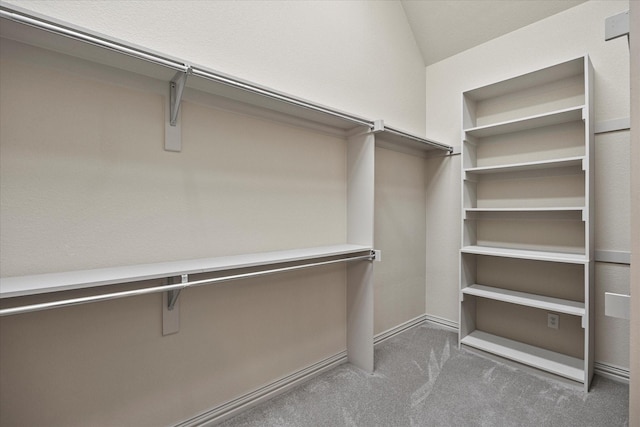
column 357, row 56
column 86, row 184
column 400, row 205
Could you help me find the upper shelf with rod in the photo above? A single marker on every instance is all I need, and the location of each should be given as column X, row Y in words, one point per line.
column 44, row 32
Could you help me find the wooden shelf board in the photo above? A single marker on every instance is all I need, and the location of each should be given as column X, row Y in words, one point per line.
column 531, row 122
column 54, row 282
column 571, row 258
column 550, row 361
column 558, row 305
column 516, row 167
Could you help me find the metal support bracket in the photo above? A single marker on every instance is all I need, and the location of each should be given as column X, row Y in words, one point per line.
column 173, row 134
column 173, row 295
column 171, row 309
column 176, row 88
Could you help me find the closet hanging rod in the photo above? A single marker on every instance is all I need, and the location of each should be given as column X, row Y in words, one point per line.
column 92, row 39
column 418, row 139
column 166, row 288
column 298, row 102
column 175, row 64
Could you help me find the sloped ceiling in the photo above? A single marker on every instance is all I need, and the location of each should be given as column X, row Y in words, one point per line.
column 443, row 28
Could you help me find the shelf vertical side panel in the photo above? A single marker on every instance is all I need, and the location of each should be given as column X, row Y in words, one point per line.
column 360, row 189
column 589, row 126
column 360, row 226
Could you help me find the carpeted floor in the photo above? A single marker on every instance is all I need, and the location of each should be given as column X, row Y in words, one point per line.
column 423, row 379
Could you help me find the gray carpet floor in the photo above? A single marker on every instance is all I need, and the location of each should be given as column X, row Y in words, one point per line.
column 423, row 379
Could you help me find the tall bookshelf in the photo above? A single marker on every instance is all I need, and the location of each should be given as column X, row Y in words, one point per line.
column 526, row 262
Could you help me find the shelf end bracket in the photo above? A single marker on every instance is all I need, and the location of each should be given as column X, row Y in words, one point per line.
column 173, row 137
column 171, row 309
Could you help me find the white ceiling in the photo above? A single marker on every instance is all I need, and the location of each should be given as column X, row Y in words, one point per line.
column 443, row 28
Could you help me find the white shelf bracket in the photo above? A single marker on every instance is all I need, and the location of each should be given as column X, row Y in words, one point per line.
column 173, row 134
column 378, row 126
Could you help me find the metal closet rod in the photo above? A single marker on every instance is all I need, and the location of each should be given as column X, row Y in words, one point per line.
column 249, row 87
column 91, row 39
column 417, row 139
column 179, row 65
column 166, row 288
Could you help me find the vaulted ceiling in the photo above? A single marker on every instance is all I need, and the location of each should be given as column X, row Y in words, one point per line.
column 443, row 28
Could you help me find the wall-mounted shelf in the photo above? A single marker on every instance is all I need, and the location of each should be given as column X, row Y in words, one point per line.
column 526, row 123
column 526, row 254
column 523, row 298
column 55, row 282
column 398, row 140
column 569, row 213
column 527, row 166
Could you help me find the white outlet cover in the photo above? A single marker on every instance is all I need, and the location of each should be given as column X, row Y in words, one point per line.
column 553, row 321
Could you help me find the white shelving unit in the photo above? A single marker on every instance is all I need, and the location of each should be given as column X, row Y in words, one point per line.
column 527, row 229
column 28, row 32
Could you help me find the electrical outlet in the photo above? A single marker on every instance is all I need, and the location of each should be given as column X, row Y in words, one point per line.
column 553, row 321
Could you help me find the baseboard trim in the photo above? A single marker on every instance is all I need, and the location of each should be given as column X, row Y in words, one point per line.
column 223, row 412
column 234, row 407
column 612, row 372
column 389, row 333
column 606, row 370
column 441, row 321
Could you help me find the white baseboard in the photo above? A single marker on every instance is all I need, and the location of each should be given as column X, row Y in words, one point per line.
column 234, row 407
column 223, row 412
column 612, row 372
column 383, row 336
column 440, row 321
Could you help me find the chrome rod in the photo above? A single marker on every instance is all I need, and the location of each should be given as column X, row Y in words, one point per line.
column 209, row 75
column 91, row 39
column 418, row 139
column 166, row 288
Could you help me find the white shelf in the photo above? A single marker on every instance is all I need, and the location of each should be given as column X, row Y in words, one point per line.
column 54, row 282
column 553, row 73
column 557, row 363
column 549, row 209
column 526, row 254
column 558, row 305
column 526, row 166
column 531, row 122
column 575, row 213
